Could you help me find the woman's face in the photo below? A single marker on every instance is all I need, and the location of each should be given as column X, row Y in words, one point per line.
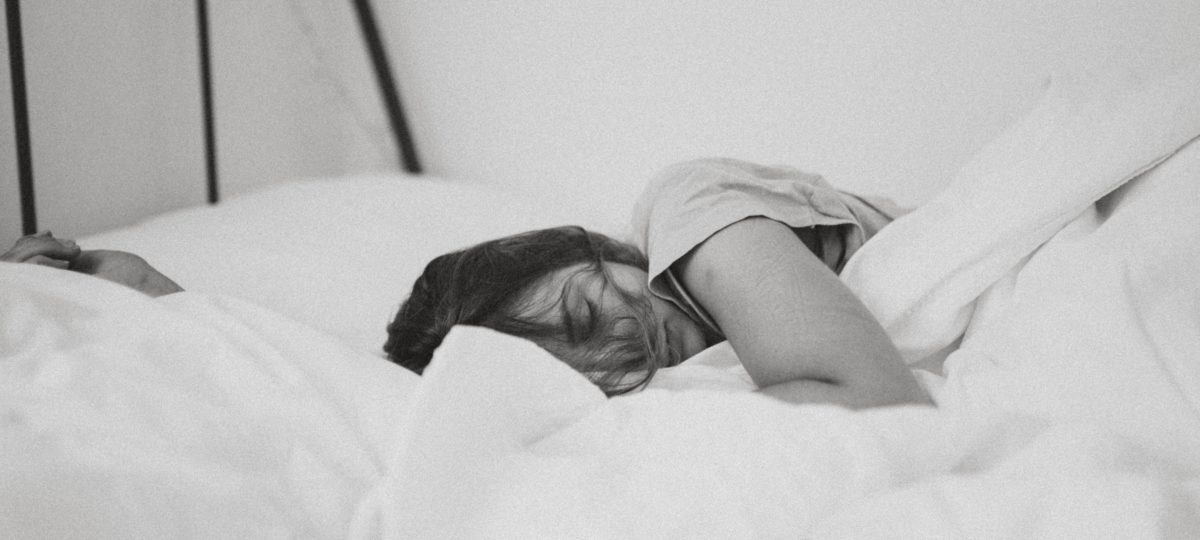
column 580, row 295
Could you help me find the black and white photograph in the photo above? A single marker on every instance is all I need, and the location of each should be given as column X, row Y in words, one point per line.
column 581, row 269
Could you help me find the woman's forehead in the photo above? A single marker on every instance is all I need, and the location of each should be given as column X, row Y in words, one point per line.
column 588, row 280
column 629, row 278
column 578, row 284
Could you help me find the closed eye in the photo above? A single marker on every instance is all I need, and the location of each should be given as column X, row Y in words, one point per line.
column 591, row 320
column 580, row 327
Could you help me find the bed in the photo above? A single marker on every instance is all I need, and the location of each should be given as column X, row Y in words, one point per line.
column 1048, row 298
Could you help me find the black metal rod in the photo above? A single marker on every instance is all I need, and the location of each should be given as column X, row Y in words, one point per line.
column 206, row 97
column 16, row 64
column 387, row 86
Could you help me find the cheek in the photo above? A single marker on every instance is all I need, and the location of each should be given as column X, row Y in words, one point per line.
column 664, row 310
column 627, row 328
column 667, row 319
column 687, row 333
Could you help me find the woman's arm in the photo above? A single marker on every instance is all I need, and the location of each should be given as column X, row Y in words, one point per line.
column 799, row 331
column 116, row 266
column 42, row 249
column 126, row 269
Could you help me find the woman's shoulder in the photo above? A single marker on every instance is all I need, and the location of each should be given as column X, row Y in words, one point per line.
column 688, row 202
column 702, row 182
column 698, row 175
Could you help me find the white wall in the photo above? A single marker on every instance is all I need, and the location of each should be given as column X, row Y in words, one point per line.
column 108, row 90
column 886, row 96
column 883, row 96
column 115, row 106
column 295, row 94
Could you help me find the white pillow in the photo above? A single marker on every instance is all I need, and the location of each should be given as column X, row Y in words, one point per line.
column 339, row 255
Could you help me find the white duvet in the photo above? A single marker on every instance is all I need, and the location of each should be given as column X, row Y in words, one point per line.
column 1069, row 402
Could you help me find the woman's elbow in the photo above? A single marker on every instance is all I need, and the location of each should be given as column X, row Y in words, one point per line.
column 901, row 391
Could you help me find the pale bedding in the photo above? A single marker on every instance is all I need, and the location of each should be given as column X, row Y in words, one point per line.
column 194, row 416
column 338, row 255
column 1070, row 409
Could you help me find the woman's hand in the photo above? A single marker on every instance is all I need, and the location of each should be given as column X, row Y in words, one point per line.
column 116, row 266
column 42, row 249
column 125, row 268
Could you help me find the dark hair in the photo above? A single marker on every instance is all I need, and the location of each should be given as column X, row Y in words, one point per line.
column 488, row 285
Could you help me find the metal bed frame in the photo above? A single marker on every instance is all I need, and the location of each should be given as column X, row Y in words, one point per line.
column 406, row 148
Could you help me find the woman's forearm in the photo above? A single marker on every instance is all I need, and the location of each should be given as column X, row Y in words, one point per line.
column 813, row 391
column 800, row 333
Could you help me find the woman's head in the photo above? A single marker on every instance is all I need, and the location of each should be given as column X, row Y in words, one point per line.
column 555, row 287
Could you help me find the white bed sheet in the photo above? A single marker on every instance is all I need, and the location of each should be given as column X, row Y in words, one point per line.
column 194, row 416
column 1069, row 411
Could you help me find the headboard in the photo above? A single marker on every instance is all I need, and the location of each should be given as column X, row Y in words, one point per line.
column 373, row 41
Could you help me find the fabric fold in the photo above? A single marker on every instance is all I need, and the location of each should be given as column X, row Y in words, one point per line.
column 1088, row 135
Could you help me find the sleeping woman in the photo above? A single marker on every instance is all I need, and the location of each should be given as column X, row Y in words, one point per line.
column 723, row 250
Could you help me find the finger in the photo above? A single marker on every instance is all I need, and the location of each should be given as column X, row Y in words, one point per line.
column 58, row 249
column 42, row 260
column 22, row 249
column 41, row 244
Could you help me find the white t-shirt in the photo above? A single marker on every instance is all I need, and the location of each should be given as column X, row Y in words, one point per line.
column 686, row 203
